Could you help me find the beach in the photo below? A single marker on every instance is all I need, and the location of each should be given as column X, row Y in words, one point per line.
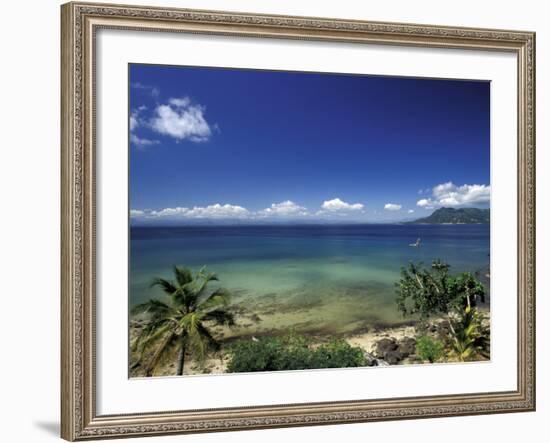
column 216, row 363
column 323, row 282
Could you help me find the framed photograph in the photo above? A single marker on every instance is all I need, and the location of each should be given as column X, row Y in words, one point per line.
column 283, row 221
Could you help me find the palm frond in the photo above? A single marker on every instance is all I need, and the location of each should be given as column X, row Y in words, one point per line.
column 207, row 337
column 166, row 285
column 152, row 306
column 183, row 275
column 189, row 322
column 149, row 335
column 161, row 349
column 205, row 278
column 152, row 332
column 179, row 297
column 186, row 296
column 201, row 341
column 221, row 317
column 218, row 299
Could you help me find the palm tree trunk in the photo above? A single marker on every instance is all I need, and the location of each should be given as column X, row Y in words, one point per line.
column 181, row 358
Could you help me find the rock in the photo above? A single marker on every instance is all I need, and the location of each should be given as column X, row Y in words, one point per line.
column 370, row 360
column 393, row 357
column 384, row 346
column 378, row 362
column 407, row 346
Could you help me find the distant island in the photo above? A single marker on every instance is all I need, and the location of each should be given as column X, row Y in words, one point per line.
column 456, row 216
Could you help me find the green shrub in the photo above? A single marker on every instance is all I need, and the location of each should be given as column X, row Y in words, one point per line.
column 252, row 356
column 290, row 353
column 294, row 353
column 429, row 349
column 338, row 354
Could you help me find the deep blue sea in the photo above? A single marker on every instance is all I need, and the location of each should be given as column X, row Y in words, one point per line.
column 313, row 278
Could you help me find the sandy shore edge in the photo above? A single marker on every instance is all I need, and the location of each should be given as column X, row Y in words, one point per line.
column 217, row 362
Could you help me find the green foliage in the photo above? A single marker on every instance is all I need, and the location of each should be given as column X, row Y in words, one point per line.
column 290, row 353
column 251, row 356
column 430, row 349
column 469, row 337
column 426, row 292
column 466, row 290
column 179, row 322
column 422, row 291
column 338, row 354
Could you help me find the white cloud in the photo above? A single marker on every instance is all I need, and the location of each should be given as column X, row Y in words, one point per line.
column 337, row 205
column 180, row 102
column 410, row 211
column 134, row 213
column 392, row 207
column 425, row 203
column 134, row 123
column 135, row 120
column 449, row 194
column 284, row 209
column 181, row 120
column 216, row 211
column 142, row 142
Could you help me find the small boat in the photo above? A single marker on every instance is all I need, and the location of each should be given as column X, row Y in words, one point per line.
column 416, row 244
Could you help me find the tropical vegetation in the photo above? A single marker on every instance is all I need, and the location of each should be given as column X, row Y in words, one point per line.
column 180, row 322
column 469, row 336
column 427, row 293
column 429, row 348
column 292, row 352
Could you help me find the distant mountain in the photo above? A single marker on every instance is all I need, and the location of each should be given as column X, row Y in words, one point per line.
column 456, row 216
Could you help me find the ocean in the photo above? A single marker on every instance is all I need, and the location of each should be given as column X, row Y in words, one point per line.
column 314, row 278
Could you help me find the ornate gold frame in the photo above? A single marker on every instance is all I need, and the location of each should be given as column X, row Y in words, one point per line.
column 80, row 21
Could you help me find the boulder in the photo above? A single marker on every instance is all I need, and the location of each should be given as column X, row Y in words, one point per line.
column 384, row 346
column 407, row 346
column 393, row 357
column 370, row 360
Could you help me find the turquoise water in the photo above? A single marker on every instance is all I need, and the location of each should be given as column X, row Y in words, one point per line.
column 313, row 278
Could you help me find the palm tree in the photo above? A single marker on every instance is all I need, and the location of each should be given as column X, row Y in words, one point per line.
column 469, row 338
column 180, row 321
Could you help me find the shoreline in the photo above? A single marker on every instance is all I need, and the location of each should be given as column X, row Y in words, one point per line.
column 217, row 362
column 375, row 341
column 265, row 318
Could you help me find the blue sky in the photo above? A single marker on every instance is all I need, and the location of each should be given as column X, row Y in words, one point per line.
column 255, row 146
